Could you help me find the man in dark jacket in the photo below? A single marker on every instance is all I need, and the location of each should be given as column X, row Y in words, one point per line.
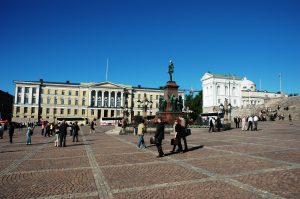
column 11, row 130
column 159, row 136
column 63, row 134
column 75, row 131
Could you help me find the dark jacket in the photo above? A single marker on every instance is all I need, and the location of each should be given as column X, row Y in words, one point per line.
column 178, row 129
column 160, row 131
column 63, row 128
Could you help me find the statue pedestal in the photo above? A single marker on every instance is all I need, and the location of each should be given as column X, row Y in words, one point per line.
column 169, row 115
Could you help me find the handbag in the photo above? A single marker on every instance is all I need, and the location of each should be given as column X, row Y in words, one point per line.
column 174, row 141
column 188, row 132
column 153, row 140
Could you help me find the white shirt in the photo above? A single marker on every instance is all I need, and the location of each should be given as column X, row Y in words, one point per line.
column 255, row 119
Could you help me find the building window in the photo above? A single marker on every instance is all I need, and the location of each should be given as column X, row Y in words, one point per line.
column 76, row 101
column 19, row 98
column 70, row 92
column 83, row 111
column 26, row 99
column 55, row 111
column 219, row 101
column 150, row 97
column 218, row 90
column 62, row 101
column 69, row 111
column 69, row 101
column 63, row 92
column 75, row 111
column 234, row 101
column 92, row 112
column 48, row 91
column 33, row 90
column 48, row 100
column 76, row 93
column 33, row 99
column 47, row 110
column 83, row 102
column 26, row 89
column 32, row 110
column 62, row 111
column 19, row 90
column 139, row 96
column 18, row 110
column 84, row 93
column 55, row 100
column 156, row 97
column 42, row 91
column 25, row 110
column 55, row 92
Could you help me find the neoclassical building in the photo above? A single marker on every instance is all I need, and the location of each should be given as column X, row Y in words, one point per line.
column 240, row 92
column 41, row 100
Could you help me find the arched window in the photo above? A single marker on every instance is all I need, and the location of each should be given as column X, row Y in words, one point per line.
column 218, row 90
column 226, row 90
column 99, row 100
column 233, row 91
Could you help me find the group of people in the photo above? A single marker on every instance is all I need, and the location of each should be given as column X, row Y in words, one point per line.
column 179, row 131
column 11, row 130
column 214, row 123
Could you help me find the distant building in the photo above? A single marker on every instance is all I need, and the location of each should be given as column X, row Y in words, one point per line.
column 51, row 101
column 240, row 92
column 6, row 104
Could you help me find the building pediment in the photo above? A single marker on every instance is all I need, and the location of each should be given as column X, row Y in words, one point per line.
column 206, row 76
column 106, row 85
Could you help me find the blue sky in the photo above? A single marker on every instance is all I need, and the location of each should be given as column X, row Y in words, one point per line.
column 59, row 40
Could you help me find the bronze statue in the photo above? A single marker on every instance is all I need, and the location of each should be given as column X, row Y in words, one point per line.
column 171, row 70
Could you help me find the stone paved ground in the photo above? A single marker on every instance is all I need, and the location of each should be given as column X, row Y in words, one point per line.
column 232, row 164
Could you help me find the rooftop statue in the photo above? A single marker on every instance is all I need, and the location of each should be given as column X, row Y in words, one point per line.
column 171, row 70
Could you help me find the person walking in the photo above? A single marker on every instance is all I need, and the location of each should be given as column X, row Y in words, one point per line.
column 140, row 132
column 211, row 124
column 11, row 130
column 255, row 121
column 159, row 136
column 183, row 134
column 29, row 133
column 92, row 127
column 56, row 130
column 1, row 131
column 177, row 136
column 63, row 134
column 244, row 121
column 43, row 127
column 250, row 123
column 75, row 131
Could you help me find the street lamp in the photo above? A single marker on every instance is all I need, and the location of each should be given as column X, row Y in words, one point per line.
column 145, row 103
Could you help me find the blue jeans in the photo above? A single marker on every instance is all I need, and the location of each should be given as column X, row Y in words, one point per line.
column 28, row 138
column 141, row 141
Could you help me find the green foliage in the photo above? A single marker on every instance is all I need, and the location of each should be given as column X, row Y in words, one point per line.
column 194, row 102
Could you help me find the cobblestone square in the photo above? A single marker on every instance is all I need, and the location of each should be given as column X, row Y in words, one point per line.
column 229, row 164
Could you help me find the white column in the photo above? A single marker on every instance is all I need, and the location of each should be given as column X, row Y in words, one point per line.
column 90, row 97
column 96, row 98
column 16, row 94
column 102, row 100
column 30, row 95
column 37, row 96
column 22, row 95
column 116, row 93
column 109, row 96
column 122, row 99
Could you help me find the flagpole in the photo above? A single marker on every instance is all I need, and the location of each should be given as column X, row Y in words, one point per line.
column 280, row 83
column 106, row 69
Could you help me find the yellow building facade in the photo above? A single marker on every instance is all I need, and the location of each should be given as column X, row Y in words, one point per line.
column 53, row 101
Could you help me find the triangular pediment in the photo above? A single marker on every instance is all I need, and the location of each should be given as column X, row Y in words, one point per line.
column 206, row 76
column 107, row 85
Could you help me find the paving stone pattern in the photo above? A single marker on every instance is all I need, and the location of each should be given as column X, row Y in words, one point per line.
column 232, row 164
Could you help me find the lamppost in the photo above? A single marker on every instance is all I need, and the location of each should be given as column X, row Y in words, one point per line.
column 226, row 109
column 145, row 103
column 126, row 93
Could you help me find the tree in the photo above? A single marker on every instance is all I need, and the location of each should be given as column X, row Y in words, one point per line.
column 194, row 103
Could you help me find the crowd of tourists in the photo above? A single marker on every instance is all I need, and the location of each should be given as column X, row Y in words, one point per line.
column 59, row 130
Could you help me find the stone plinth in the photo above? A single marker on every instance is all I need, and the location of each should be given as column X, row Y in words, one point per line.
column 169, row 117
